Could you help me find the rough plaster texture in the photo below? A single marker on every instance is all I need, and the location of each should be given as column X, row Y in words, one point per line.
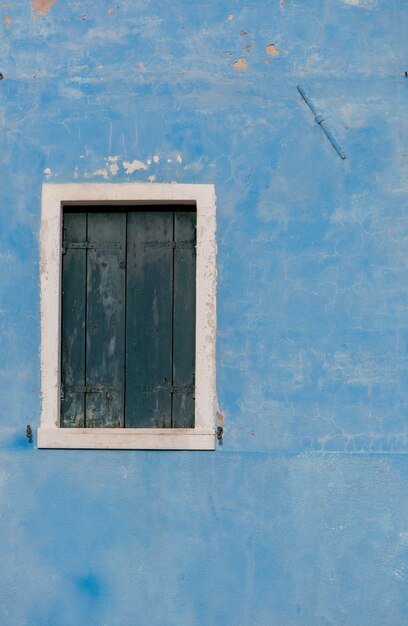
column 301, row 516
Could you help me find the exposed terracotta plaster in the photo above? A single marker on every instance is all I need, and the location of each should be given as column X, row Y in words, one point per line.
column 230, row 17
column 221, row 418
column 133, row 166
column 272, row 50
column 42, row 6
column 101, row 172
column 7, row 19
column 240, row 64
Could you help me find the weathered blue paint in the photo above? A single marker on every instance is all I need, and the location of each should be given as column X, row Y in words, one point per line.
column 301, row 517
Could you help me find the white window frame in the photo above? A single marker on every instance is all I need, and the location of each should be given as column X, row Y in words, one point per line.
column 54, row 198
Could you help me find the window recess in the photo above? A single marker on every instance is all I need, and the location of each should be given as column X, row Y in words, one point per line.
column 128, row 318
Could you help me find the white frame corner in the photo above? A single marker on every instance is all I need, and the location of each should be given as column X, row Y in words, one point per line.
column 54, row 198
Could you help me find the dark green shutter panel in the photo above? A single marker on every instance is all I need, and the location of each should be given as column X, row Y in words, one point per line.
column 105, row 345
column 149, row 319
column 184, row 320
column 93, row 319
column 73, row 323
column 128, row 319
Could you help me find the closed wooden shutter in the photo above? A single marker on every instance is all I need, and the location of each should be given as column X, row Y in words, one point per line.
column 128, row 319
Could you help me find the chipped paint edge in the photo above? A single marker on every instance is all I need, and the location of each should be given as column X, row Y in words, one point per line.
column 54, row 197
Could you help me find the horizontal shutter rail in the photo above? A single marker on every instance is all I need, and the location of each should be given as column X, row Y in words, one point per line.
column 170, row 388
column 170, row 244
column 91, row 245
column 88, row 389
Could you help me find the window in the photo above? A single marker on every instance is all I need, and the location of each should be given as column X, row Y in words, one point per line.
column 128, row 316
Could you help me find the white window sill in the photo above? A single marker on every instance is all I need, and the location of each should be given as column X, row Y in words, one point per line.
column 126, row 438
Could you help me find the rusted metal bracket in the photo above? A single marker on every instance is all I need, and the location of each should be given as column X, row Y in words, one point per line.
column 86, row 245
column 319, row 119
column 87, row 389
column 29, row 433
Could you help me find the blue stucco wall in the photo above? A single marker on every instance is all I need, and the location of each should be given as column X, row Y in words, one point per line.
column 301, row 516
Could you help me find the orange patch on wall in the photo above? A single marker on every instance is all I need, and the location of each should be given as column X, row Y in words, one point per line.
column 240, row 64
column 42, row 6
column 7, row 19
column 272, row 50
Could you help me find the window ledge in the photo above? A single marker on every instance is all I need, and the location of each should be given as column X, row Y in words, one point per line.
column 126, row 438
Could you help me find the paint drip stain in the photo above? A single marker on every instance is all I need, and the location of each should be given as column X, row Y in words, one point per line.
column 42, row 6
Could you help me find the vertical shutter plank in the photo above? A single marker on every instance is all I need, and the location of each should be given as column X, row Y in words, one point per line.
column 184, row 319
column 149, row 319
column 73, row 322
column 105, row 352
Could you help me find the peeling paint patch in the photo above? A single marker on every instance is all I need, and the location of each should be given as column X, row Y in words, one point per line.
column 133, row 166
column 179, row 159
column 47, row 171
column 240, row 64
column 110, row 10
column 272, row 50
column 152, row 178
column 7, row 19
column 141, row 65
column 156, row 158
column 112, row 164
column 101, row 172
column 230, row 17
column 42, row 6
